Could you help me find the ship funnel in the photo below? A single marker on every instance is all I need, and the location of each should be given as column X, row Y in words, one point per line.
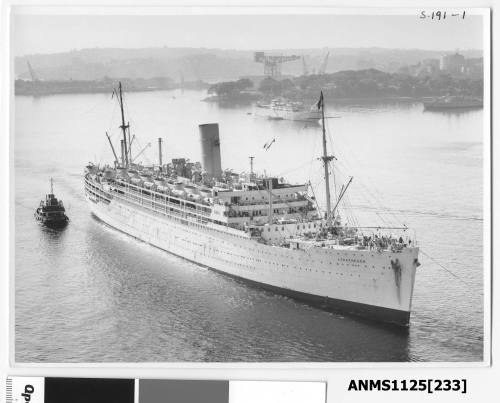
column 210, row 149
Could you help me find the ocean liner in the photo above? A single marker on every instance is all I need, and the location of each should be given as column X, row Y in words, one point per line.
column 257, row 228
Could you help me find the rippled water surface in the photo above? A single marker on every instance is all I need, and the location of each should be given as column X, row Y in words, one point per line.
column 91, row 294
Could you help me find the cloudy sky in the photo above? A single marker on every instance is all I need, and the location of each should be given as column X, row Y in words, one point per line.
column 58, row 33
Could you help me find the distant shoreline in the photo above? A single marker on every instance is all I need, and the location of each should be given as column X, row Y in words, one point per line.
column 221, row 99
column 46, row 88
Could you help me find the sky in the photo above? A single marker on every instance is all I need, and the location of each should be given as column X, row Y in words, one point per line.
column 59, row 33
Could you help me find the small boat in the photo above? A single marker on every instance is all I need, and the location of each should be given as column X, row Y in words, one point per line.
column 453, row 102
column 51, row 212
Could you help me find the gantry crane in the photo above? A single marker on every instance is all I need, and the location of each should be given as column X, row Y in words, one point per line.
column 34, row 77
column 272, row 63
column 322, row 69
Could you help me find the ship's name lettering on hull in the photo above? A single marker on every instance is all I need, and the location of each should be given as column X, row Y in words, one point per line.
column 342, row 259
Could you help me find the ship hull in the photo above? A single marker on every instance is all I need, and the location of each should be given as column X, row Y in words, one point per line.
column 358, row 282
column 284, row 114
column 435, row 107
column 54, row 223
column 371, row 312
column 447, row 105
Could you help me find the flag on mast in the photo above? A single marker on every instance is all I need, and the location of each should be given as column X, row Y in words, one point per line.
column 320, row 102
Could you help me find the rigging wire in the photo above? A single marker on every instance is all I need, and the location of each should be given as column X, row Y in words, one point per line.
column 283, row 173
column 444, row 268
column 374, row 197
column 346, row 162
column 347, row 206
column 383, row 221
column 330, row 138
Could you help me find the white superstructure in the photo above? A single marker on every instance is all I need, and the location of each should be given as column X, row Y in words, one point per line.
column 283, row 109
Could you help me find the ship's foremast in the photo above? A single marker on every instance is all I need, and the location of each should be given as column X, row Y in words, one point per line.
column 326, row 161
column 126, row 143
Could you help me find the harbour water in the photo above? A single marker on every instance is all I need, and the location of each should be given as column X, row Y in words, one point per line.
column 91, row 294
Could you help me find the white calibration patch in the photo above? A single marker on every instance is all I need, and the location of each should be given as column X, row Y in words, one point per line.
column 25, row 389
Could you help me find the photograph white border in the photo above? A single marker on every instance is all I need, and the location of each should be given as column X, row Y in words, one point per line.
column 219, row 370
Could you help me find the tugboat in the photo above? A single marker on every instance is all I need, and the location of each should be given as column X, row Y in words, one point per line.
column 51, row 212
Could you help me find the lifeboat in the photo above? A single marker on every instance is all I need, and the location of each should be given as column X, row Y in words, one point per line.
column 194, row 197
column 149, row 185
column 179, row 193
column 158, row 181
column 192, row 190
column 163, row 189
column 92, row 169
column 122, row 174
column 109, row 173
column 146, row 176
column 136, row 181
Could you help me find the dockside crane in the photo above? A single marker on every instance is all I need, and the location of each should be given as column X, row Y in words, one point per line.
column 34, row 77
column 272, row 63
column 322, row 69
column 305, row 69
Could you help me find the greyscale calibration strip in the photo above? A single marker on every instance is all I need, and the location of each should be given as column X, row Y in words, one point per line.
column 109, row 390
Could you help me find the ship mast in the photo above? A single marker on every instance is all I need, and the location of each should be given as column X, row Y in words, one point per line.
column 270, row 188
column 123, row 126
column 112, row 149
column 326, row 160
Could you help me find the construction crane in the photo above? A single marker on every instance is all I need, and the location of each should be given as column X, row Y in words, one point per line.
column 322, row 68
column 34, row 77
column 305, row 69
column 272, row 63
